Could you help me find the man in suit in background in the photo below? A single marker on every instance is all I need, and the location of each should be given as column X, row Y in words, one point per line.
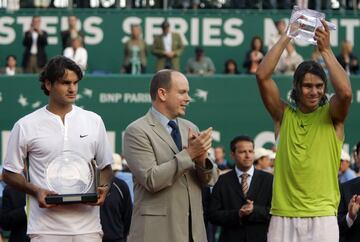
column 349, row 224
column 167, row 48
column 13, row 216
column 71, row 33
column 168, row 158
column 35, row 41
column 241, row 199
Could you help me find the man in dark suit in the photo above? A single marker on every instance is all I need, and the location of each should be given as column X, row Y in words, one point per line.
column 71, row 33
column 241, row 199
column 35, row 41
column 349, row 224
column 13, row 216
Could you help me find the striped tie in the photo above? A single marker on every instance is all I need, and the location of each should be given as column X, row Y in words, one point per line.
column 244, row 183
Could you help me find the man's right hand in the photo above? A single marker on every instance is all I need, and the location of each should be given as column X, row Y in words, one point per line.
column 354, row 206
column 41, row 194
column 246, row 209
column 169, row 54
column 199, row 143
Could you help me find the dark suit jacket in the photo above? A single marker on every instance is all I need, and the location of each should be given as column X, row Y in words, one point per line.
column 13, row 215
column 41, row 44
column 115, row 213
column 227, row 198
column 348, row 189
column 353, row 68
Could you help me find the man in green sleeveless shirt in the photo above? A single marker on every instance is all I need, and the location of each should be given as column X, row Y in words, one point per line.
column 310, row 135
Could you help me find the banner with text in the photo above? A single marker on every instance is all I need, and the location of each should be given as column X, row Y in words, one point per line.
column 107, row 30
column 230, row 104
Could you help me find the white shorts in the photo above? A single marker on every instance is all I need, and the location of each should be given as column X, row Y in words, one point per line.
column 93, row 237
column 316, row 229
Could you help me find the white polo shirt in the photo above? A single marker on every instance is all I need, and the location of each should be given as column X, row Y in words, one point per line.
column 41, row 136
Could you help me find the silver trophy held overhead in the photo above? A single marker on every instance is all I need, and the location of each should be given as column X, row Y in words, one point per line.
column 73, row 178
column 304, row 22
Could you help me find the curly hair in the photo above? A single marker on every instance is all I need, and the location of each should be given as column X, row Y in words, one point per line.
column 55, row 69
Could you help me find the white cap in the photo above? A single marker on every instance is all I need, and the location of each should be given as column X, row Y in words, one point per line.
column 345, row 156
column 117, row 165
column 272, row 155
column 260, row 152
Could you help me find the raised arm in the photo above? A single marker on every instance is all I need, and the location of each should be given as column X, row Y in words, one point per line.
column 268, row 89
column 340, row 102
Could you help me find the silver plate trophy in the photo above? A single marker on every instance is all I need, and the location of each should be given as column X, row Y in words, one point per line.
column 72, row 177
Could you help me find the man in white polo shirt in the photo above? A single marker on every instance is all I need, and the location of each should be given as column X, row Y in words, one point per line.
column 46, row 133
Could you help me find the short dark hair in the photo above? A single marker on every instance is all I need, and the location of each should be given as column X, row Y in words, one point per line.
column 8, row 57
column 277, row 22
column 252, row 43
column 135, row 25
column 305, row 67
column 227, row 62
column 165, row 24
column 199, row 49
column 56, row 68
column 238, row 139
column 161, row 79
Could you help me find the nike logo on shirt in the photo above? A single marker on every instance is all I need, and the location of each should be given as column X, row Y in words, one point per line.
column 83, row 136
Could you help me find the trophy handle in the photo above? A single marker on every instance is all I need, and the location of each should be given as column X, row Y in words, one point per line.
column 96, row 173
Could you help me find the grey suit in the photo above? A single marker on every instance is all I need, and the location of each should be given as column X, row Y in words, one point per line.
column 167, row 184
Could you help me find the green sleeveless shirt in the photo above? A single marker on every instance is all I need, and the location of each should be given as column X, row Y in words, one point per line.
column 306, row 165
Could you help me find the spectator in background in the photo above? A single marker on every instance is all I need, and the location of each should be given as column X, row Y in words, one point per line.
column 10, row 68
column 348, row 213
column 123, row 172
column 288, row 61
column 115, row 213
column 316, row 56
column 135, row 52
column 193, row 4
column 13, row 216
column 262, row 159
column 272, row 160
column 77, row 53
column 71, row 33
column 254, row 55
column 345, row 172
column 347, row 59
column 221, row 162
column 231, row 67
column 167, row 48
column 2, row 186
column 280, row 30
column 35, row 41
column 201, row 64
column 356, row 156
column 241, row 199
